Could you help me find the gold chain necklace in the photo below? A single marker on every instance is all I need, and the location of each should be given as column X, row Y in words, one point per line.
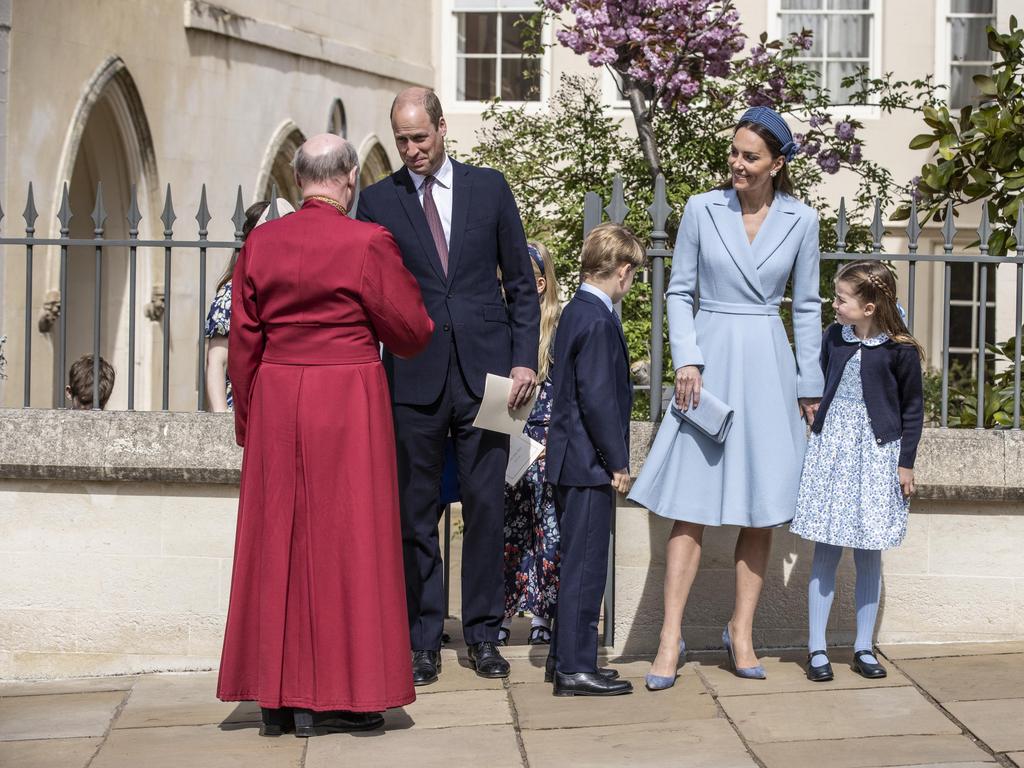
column 333, row 203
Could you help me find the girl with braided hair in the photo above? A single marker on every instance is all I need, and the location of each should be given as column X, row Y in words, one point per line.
column 858, row 473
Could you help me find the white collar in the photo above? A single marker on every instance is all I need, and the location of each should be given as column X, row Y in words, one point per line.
column 443, row 176
column 874, row 341
column 604, row 297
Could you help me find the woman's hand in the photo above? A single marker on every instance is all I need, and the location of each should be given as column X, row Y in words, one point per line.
column 808, row 408
column 907, row 482
column 688, row 385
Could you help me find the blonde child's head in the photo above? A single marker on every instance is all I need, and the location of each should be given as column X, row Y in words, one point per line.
column 550, row 303
column 873, row 287
column 611, row 256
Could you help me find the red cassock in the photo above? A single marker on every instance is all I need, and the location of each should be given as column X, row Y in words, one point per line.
column 317, row 616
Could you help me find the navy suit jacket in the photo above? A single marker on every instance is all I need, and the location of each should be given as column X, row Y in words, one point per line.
column 492, row 332
column 592, row 397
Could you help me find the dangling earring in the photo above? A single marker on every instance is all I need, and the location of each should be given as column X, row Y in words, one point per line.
column 772, row 174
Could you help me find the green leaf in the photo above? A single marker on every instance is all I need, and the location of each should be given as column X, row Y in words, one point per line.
column 923, row 140
column 901, row 213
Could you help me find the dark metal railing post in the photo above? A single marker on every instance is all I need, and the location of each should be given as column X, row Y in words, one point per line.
column 948, row 234
column 913, row 234
column 983, row 234
column 134, row 217
column 64, row 217
column 167, row 217
column 659, row 212
column 1018, row 319
column 203, row 218
column 30, row 230
column 99, row 216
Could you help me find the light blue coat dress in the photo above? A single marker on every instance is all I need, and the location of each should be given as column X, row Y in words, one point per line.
column 737, row 337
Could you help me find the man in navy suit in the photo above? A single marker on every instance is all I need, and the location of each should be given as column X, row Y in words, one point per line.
column 457, row 227
column 588, row 452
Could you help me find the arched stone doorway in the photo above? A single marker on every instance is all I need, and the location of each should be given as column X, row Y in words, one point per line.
column 337, row 123
column 276, row 168
column 109, row 141
column 374, row 164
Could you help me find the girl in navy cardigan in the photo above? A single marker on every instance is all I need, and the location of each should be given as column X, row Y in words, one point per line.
column 858, row 472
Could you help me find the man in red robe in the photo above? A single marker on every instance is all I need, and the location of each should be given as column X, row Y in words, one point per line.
column 317, row 628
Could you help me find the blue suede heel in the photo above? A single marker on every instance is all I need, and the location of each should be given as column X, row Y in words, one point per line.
column 749, row 673
column 661, row 682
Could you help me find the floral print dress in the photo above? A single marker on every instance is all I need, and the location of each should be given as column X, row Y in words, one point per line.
column 850, row 490
column 218, row 323
column 531, row 529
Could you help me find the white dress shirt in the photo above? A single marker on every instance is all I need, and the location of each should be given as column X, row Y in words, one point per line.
column 604, row 297
column 442, row 194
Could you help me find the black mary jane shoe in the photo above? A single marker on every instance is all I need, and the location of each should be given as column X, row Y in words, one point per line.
column 504, row 633
column 276, row 722
column 426, row 666
column 539, row 635
column 549, row 671
column 309, row 723
column 820, row 674
column 866, row 668
column 487, row 660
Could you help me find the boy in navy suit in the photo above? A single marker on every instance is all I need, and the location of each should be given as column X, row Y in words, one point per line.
column 588, row 452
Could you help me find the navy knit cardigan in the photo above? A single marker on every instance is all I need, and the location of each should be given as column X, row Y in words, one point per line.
column 891, row 378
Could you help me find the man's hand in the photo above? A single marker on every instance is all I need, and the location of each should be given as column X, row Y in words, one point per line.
column 688, row 385
column 907, row 482
column 808, row 408
column 524, row 381
column 621, row 481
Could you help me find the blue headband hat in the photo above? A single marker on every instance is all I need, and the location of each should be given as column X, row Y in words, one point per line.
column 537, row 258
column 772, row 120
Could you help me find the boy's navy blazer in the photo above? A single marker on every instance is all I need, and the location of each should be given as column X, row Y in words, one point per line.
column 591, row 395
column 492, row 333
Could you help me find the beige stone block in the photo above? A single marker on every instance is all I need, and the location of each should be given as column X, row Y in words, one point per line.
column 446, row 708
column 48, row 753
column 710, row 743
column 1018, row 608
column 869, row 752
column 490, row 745
column 1017, row 758
column 946, row 604
column 982, row 543
column 78, row 517
column 785, row 670
column 457, row 674
column 49, row 580
column 182, row 699
column 224, row 583
column 160, row 584
column 131, row 632
column 209, row 746
column 538, row 709
column 969, row 678
column 640, row 537
column 842, row 714
column 998, row 723
column 23, row 665
column 68, row 685
column 934, row 650
column 958, row 458
column 912, row 556
column 206, row 634
column 198, row 525
column 57, row 717
column 36, row 630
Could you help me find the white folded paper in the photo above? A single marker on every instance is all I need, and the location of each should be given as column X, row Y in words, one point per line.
column 494, row 413
column 523, row 450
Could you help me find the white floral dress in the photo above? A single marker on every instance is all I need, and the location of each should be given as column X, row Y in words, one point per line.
column 850, row 491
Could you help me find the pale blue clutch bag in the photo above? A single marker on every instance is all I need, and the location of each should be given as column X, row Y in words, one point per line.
column 712, row 418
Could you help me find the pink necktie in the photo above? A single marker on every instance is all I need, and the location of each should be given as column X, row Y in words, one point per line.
column 434, row 222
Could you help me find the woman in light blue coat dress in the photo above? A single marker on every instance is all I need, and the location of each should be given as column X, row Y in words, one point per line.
column 736, row 250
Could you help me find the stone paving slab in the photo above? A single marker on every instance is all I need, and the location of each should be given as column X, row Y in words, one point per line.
column 71, row 685
column 710, row 743
column 458, row 675
column 786, row 675
column 48, row 753
column 537, row 708
column 448, row 708
column 840, row 714
column 899, row 651
column 869, row 752
column 969, row 678
column 171, row 699
column 1017, row 758
column 493, row 746
column 57, row 716
column 999, row 723
column 202, row 746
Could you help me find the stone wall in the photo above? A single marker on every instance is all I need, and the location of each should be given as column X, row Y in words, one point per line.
column 116, row 533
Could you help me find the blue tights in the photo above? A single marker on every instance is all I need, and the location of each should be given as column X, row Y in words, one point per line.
column 823, row 588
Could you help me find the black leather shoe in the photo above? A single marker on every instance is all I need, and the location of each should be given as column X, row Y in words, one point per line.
column 426, row 666
column 309, row 723
column 487, row 660
column 549, row 671
column 820, row 674
column 589, row 684
column 866, row 669
column 276, row 722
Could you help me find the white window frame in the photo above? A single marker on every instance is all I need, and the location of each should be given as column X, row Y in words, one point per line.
column 610, row 92
column 944, row 40
column 449, row 71
column 973, row 304
column 876, row 9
